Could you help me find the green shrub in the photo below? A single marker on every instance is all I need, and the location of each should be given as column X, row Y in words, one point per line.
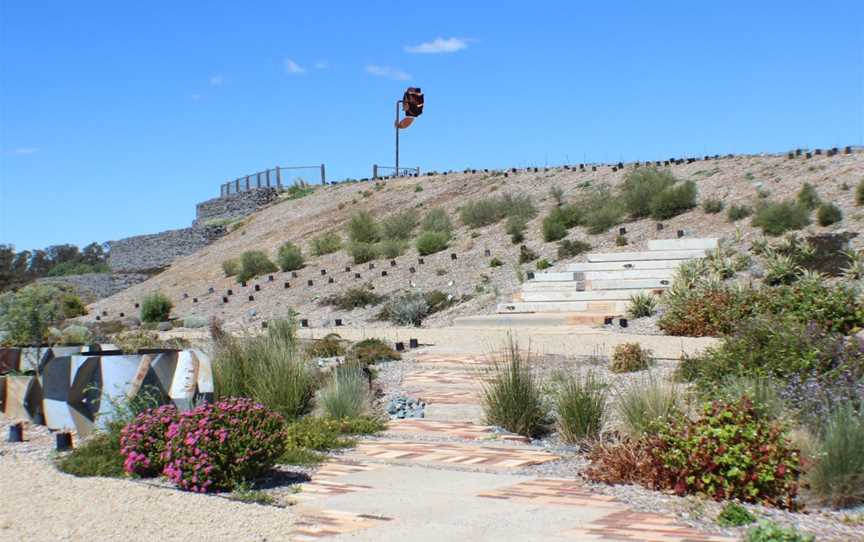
column 298, row 190
column 674, row 200
column 290, row 257
column 734, row 515
column 630, row 357
column 808, row 198
column 76, row 334
column 738, row 212
column 78, row 268
column 430, row 242
column 363, row 252
column 512, row 396
column 758, row 464
column 580, row 405
column 269, row 368
column 557, row 194
column 601, row 219
column 778, row 218
column 712, row 206
column 437, row 220
column 768, row 531
column 327, row 347
column 621, row 241
column 393, row 248
column 371, row 351
column 354, row 298
column 553, row 230
column 516, row 228
column 646, row 404
column 327, row 243
column 400, row 226
column 437, row 300
column 477, row 214
column 526, row 254
column 408, row 309
column 572, row 248
column 362, row 228
column 780, row 269
column 156, row 307
column 26, row 315
column 98, row 456
column 838, row 475
column 254, row 263
column 705, row 310
column 641, row 186
column 642, row 305
column 495, row 262
column 231, row 267
column 828, row 214
column 346, row 394
column 859, row 193
column 762, row 391
column 543, row 264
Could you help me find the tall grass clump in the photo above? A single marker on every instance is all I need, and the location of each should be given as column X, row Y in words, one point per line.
column 346, row 394
column 476, row 214
column 738, row 212
column 364, row 252
column 512, row 395
column 156, row 307
column 231, row 267
column 642, row 305
column 572, row 248
column 327, row 243
column 808, row 198
column 828, row 214
column 646, row 403
column 581, row 407
column 553, row 230
column 712, row 206
column 779, row 217
column 399, row 226
column 838, row 476
column 270, row 369
column 290, row 257
column 362, row 228
column 515, row 228
column 254, row 263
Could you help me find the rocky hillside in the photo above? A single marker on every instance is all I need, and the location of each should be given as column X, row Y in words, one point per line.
column 734, row 180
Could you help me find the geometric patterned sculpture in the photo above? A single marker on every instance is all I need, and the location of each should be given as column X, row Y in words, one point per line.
column 79, row 391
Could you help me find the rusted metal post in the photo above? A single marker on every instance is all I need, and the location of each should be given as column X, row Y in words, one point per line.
column 323, row 175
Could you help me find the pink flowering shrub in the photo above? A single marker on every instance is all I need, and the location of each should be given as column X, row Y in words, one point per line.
column 215, row 446
column 142, row 442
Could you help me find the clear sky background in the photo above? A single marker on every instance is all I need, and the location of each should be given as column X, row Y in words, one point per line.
column 117, row 117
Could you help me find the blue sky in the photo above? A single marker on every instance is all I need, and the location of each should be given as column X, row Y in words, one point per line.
column 117, row 117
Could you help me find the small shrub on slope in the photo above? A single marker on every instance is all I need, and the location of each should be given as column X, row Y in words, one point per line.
column 371, row 351
column 808, row 198
column 326, row 244
column 399, row 226
column 362, row 228
column 712, row 206
column 734, row 515
column 571, row 249
column 364, row 252
column 231, row 267
column 354, row 298
column 290, row 257
column 641, row 186
column 778, row 218
column 674, row 200
column 630, row 357
column 254, row 263
column 437, row 220
column 738, row 212
column 431, row 242
column 828, row 214
column 553, row 230
column 155, row 307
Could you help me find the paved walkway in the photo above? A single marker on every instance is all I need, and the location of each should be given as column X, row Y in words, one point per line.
column 456, row 479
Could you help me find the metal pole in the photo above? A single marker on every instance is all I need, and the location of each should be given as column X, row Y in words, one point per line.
column 397, row 136
column 323, row 175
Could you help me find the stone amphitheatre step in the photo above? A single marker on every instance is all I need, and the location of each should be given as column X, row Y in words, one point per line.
column 624, row 266
column 646, row 255
column 551, row 276
column 518, row 320
column 626, row 274
column 683, row 244
column 609, row 308
column 562, row 294
column 595, row 285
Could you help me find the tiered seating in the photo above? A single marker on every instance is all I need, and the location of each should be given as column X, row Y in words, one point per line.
column 588, row 293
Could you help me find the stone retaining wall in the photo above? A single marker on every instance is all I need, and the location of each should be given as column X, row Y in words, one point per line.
column 233, row 206
column 95, row 286
column 153, row 252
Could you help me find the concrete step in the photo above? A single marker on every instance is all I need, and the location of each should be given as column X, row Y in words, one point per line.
column 595, row 285
column 683, row 244
column 551, row 276
column 611, row 308
column 626, row 274
column 575, row 295
column 624, row 266
column 646, row 256
column 532, row 320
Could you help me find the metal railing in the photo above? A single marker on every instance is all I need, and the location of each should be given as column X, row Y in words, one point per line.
column 269, row 178
column 390, row 171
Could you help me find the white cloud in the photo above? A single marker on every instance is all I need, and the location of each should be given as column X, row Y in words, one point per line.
column 22, row 151
column 388, row 72
column 438, row 46
column 216, row 81
column 293, row 68
column 322, row 65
